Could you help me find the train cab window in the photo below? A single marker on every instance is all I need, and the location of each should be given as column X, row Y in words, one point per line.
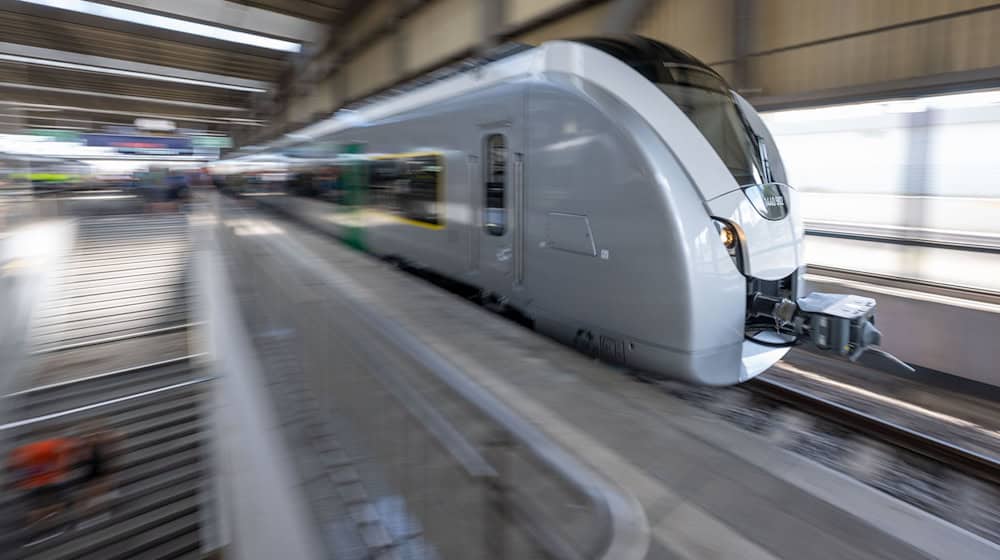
column 495, row 179
column 703, row 96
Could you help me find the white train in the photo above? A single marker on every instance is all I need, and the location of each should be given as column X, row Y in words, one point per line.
column 616, row 192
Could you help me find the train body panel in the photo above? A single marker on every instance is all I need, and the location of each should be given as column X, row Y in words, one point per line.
column 654, row 286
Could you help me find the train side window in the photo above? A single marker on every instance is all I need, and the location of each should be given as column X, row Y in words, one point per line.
column 495, row 168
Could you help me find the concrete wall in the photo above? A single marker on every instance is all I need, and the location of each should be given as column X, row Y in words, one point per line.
column 376, row 13
column 701, row 27
column 913, row 50
column 440, row 31
column 371, row 70
column 582, row 23
column 520, row 11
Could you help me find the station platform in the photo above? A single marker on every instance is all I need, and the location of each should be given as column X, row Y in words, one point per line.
column 672, row 480
column 279, row 393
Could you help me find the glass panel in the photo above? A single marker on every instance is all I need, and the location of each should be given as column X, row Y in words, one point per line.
column 407, row 187
column 700, row 93
column 848, row 162
column 963, row 178
column 904, row 173
column 495, row 218
column 715, row 115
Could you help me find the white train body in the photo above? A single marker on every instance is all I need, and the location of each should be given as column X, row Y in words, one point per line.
column 592, row 185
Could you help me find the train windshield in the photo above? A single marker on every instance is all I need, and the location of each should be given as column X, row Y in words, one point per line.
column 712, row 109
column 701, row 94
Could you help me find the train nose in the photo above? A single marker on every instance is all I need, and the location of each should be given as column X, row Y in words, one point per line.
column 770, row 231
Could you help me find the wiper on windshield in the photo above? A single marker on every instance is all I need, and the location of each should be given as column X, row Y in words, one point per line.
column 758, row 144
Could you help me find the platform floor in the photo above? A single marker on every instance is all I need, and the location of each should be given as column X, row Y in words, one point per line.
column 707, row 489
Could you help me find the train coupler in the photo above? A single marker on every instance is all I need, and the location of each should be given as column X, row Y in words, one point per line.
column 840, row 323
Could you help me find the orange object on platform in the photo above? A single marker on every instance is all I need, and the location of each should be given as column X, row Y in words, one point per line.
column 43, row 462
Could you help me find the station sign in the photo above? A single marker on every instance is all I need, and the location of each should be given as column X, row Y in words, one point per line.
column 142, row 145
column 212, row 141
column 55, row 133
column 155, row 125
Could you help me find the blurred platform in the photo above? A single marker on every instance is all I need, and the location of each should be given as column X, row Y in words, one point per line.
column 102, row 319
column 702, row 488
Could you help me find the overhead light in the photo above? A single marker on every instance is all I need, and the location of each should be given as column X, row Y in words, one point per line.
column 15, row 85
column 53, row 127
column 128, row 73
column 60, row 127
column 172, row 24
column 905, row 106
column 158, row 125
column 870, row 109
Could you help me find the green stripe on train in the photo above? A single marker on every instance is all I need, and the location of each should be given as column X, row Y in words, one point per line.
column 355, row 180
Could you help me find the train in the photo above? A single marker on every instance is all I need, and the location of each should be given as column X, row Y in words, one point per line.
column 613, row 191
column 42, row 174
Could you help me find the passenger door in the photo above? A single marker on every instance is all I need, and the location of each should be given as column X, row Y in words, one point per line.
column 500, row 192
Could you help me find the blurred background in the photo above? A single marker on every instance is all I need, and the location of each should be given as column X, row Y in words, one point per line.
column 122, row 120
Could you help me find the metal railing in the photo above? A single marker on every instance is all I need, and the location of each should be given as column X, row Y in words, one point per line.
column 479, row 480
column 136, row 400
column 910, row 236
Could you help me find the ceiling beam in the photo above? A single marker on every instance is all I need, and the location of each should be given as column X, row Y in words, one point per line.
column 233, row 15
column 126, row 67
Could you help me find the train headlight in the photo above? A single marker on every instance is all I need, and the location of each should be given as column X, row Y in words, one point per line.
column 729, row 235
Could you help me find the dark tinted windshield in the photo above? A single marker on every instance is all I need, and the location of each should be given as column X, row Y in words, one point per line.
column 699, row 92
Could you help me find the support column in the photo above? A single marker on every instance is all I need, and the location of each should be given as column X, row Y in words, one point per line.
column 916, row 182
column 743, row 11
column 491, row 14
column 623, row 16
column 399, row 41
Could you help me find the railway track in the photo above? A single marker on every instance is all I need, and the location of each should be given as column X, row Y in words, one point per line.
column 963, row 459
column 915, row 460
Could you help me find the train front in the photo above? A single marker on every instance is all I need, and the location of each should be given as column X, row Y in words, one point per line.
column 753, row 210
column 760, row 227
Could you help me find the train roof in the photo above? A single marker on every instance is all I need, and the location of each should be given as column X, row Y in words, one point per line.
column 626, row 73
column 653, row 59
column 503, row 63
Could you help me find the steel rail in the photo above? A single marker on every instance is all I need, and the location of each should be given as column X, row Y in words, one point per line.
column 966, row 460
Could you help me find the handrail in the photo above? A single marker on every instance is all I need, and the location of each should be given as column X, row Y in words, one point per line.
column 450, row 438
column 549, row 455
column 117, row 338
column 103, row 404
column 107, row 374
column 908, row 236
column 978, row 295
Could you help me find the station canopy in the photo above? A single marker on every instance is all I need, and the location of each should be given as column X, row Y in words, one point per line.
column 202, row 66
